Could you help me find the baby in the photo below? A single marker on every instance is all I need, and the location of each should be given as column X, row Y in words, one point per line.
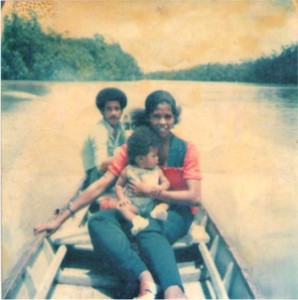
column 142, row 150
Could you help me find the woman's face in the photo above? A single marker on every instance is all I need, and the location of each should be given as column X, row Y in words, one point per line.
column 162, row 119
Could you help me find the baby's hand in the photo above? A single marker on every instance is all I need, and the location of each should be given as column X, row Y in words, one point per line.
column 123, row 202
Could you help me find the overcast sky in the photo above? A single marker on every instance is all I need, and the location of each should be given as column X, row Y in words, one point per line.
column 167, row 35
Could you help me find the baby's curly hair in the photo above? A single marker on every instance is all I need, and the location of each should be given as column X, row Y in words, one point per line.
column 140, row 141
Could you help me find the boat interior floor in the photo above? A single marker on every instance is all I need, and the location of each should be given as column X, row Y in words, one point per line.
column 83, row 276
column 64, row 266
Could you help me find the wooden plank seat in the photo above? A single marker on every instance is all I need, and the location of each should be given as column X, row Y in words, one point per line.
column 85, row 277
column 74, row 233
column 50, row 274
column 79, row 237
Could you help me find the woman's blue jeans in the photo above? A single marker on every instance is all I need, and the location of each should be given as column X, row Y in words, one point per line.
column 111, row 239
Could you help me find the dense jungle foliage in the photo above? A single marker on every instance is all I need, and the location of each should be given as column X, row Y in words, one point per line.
column 28, row 53
column 277, row 68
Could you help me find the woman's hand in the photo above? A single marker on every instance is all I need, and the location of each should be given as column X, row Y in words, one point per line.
column 49, row 227
column 139, row 188
column 156, row 190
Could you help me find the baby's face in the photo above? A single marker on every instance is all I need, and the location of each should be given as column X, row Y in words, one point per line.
column 151, row 159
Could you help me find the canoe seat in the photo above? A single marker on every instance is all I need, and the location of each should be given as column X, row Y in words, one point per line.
column 79, row 237
column 196, row 235
column 73, row 231
column 51, row 273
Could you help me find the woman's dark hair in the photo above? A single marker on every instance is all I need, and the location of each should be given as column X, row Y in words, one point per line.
column 141, row 116
column 140, row 141
column 110, row 94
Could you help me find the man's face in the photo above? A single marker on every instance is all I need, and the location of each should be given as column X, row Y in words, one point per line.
column 112, row 112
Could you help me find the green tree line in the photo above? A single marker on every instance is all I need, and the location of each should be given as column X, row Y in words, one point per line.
column 28, row 53
column 275, row 68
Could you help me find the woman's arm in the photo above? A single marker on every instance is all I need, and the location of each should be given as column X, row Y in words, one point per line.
column 163, row 184
column 103, row 167
column 191, row 196
column 85, row 198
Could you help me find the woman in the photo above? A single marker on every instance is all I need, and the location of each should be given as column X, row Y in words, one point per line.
column 109, row 231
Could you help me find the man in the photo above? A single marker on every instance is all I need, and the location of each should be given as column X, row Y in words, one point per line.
column 105, row 136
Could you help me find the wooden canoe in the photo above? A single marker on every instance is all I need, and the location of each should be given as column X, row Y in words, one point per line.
column 63, row 265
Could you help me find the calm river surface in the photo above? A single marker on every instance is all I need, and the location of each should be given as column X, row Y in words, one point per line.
column 247, row 136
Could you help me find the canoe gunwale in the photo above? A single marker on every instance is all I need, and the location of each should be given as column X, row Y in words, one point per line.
column 27, row 256
column 20, row 267
column 249, row 281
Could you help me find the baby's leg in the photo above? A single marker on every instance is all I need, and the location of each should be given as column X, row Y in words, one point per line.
column 130, row 213
column 139, row 223
column 160, row 211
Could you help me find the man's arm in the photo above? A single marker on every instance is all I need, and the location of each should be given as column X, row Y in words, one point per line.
column 104, row 165
column 100, row 138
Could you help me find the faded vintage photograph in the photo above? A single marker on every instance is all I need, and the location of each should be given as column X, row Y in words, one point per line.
column 149, row 149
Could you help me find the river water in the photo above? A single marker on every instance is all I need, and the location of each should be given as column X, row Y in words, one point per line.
column 247, row 136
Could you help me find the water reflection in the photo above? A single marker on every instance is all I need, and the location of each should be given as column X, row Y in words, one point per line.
column 281, row 96
column 288, row 96
column 36, row 88
column 10, row 102
column 13, row 93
